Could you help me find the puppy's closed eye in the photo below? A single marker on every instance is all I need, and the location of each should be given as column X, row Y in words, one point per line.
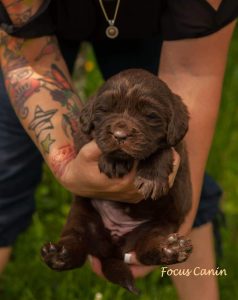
column 151, row 116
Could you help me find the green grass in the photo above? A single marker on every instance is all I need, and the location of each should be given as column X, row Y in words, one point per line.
column 27, row 278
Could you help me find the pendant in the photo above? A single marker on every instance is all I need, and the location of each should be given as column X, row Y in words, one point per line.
column 112, row 32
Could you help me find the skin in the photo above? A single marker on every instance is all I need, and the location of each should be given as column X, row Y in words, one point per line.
column 198, row 79
column 187, row 75
column 5, row 253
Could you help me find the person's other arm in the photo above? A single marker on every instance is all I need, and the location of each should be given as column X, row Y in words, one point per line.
column 194, row 69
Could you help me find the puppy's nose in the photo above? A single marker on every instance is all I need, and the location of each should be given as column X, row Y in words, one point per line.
column 120, row 134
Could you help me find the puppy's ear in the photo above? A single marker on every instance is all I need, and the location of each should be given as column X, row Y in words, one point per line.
column 86, row 116
column 178, row 125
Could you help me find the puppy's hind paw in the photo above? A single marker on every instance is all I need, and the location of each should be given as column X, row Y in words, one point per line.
column 55, row 256
column 176, row 249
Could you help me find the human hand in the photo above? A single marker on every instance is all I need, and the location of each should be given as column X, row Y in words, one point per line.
column 82, row 177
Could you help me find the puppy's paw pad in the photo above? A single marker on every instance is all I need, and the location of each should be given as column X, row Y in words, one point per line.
column 176, row 249
column 55, row 256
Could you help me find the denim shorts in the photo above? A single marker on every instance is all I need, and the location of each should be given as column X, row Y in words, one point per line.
column 21, row 162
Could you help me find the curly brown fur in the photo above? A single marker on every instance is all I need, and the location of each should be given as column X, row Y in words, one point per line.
column 133, row 117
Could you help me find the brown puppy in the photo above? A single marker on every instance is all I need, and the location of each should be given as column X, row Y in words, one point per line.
column 133, row 117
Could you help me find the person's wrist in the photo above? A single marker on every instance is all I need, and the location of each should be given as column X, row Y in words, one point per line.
column 60, row 162
column 186, row 228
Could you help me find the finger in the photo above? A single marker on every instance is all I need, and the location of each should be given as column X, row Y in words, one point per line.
column 96, row 265
column 176, row 163
column 141, row 271
column 137, row 269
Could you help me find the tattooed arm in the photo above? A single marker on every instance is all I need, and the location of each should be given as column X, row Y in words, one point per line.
column 45, row 102
column 38, row 84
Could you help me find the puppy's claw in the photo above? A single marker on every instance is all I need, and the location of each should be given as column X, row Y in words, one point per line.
column 172, row 238
column 153, row 189
column 63, row 251
column 52, row 248
column 44, row 251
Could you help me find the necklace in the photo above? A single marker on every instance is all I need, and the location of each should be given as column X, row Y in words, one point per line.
column 112, row 31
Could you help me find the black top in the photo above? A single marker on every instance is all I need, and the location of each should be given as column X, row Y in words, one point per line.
column 84, row 20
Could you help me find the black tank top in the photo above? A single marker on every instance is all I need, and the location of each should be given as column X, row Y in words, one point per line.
column 84, row 19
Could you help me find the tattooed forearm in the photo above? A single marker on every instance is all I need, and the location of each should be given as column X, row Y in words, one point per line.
column 43, row 97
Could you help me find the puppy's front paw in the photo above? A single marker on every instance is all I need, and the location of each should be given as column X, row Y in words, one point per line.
column 114, row 168
column 153, row 189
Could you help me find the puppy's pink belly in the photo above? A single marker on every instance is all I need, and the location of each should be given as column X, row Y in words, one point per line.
column 114, row 219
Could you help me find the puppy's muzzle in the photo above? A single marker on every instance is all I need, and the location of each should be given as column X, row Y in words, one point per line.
column 120, row 131
column 120, row 135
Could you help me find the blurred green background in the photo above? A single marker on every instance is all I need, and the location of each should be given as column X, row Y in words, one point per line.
column 27, row 278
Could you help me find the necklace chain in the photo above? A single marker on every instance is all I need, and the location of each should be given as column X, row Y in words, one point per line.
column 110, row 21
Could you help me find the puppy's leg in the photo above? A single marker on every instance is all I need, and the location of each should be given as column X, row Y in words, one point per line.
column 152, row 178
column 71, row 250
column 157, row 249
column 114, row 167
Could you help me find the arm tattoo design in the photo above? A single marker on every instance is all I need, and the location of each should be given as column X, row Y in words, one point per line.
column 46, row 143
column 62, row 92
column 41, row 121
column 51, row 47
column 21, row 86
column 22, row 82
column 63, row 156
column 18, row 74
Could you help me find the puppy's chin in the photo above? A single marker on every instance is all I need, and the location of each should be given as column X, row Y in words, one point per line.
column 123, row 150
